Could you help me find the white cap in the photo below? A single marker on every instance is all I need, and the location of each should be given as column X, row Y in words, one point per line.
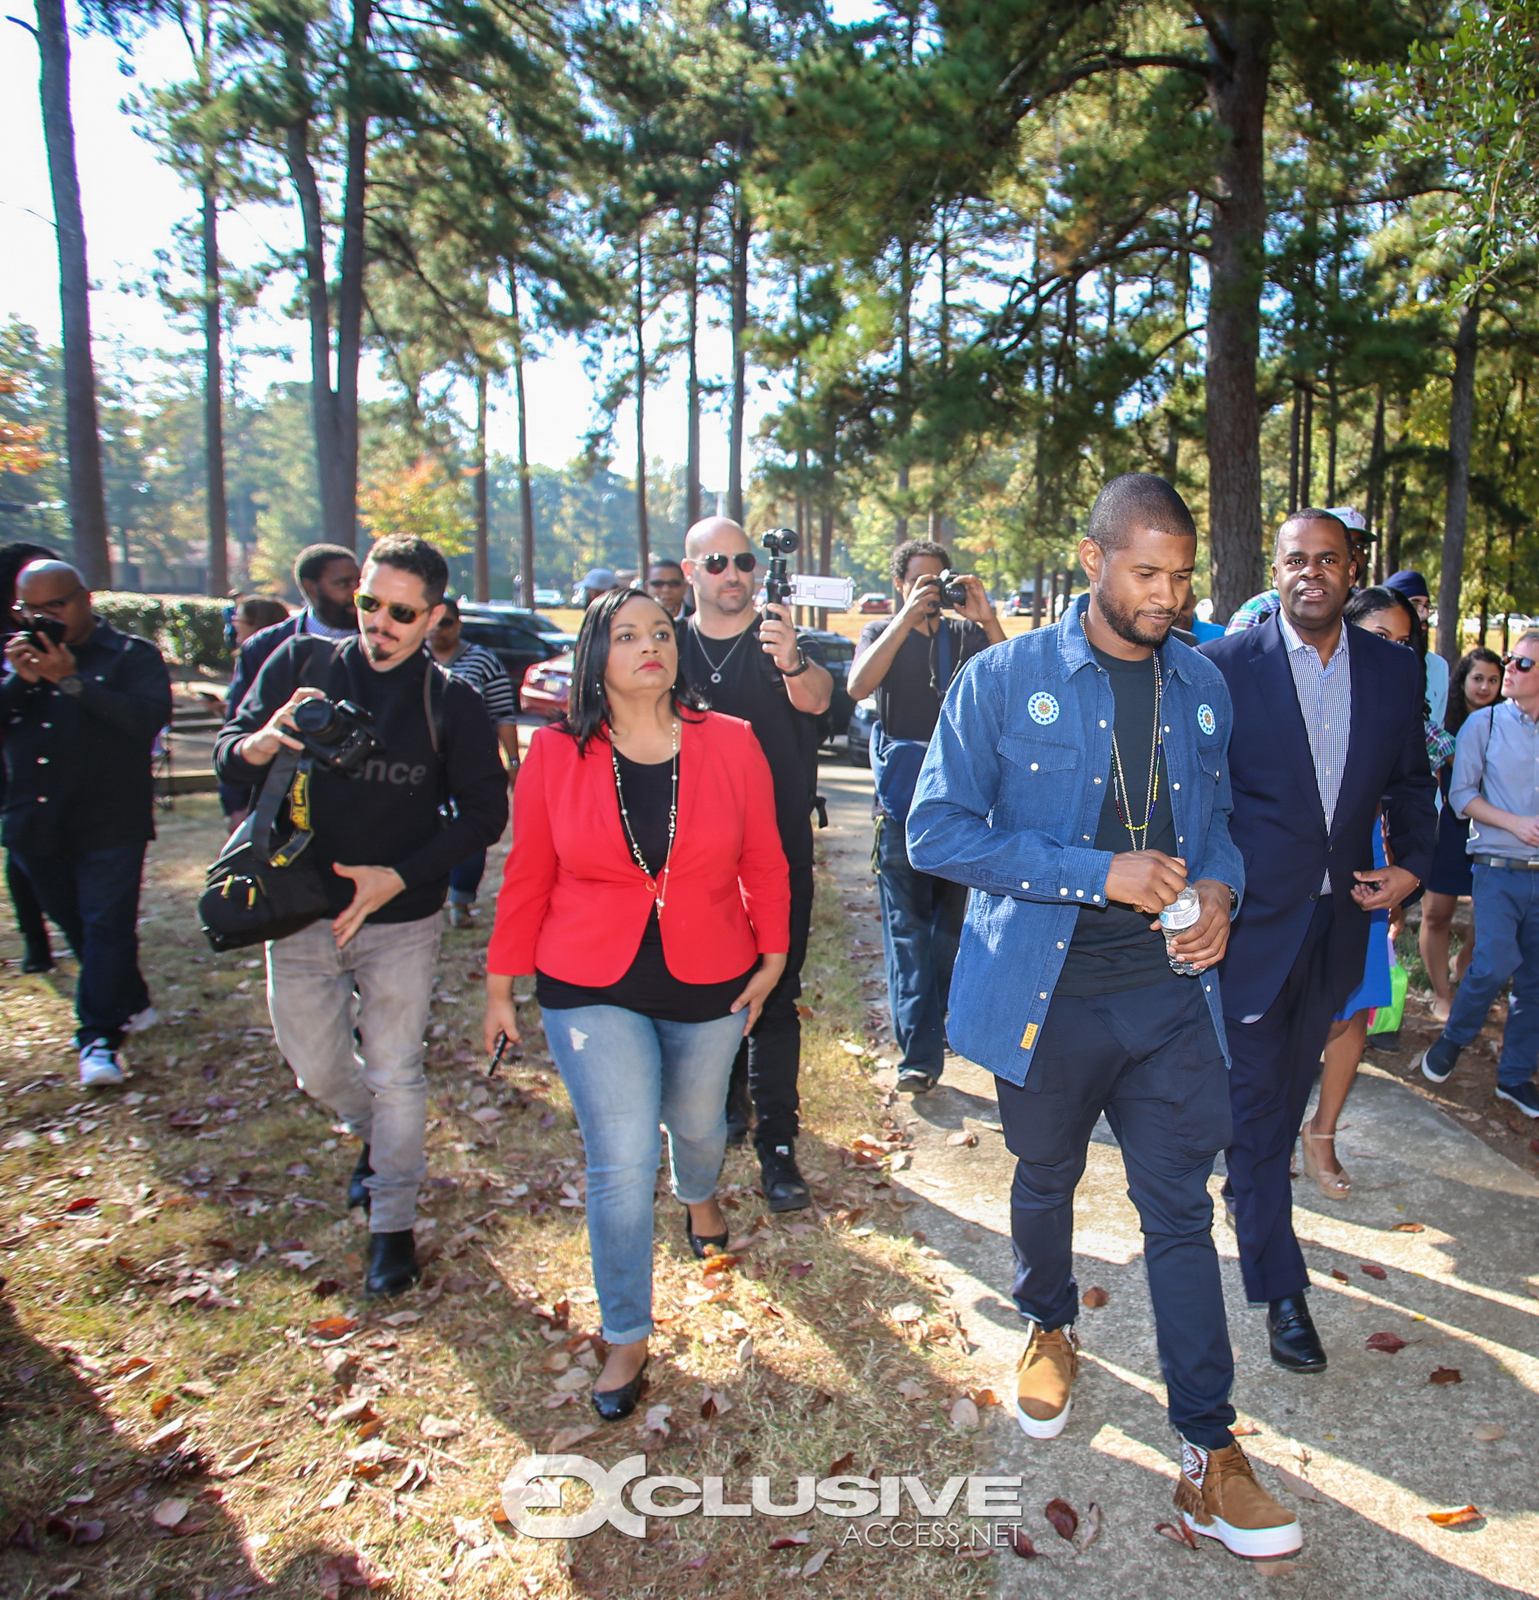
column 1353, row 519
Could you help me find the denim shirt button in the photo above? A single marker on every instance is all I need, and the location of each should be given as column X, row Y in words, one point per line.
column 1080, row 893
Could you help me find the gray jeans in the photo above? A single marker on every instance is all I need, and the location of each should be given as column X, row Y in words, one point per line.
column 382, row 980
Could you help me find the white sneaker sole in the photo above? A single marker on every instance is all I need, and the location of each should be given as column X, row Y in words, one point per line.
column 1253, row 1543
column 1428, row 1073
column 1512, row 1100
column 1034, row 1428
column 103, row 1078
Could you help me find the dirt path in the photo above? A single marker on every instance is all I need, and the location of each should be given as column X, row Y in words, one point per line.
column 1372, row 1445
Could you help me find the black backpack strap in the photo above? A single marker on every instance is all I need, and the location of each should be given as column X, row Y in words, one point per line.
column 434, row 681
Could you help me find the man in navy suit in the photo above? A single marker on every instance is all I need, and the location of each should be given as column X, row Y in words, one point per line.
column 1327, row 727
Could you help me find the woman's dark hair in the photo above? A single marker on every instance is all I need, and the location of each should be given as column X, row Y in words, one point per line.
column 587, row 706
column 13, row 557
column 1458, row 705
column 261, row 610
column 1370, row 602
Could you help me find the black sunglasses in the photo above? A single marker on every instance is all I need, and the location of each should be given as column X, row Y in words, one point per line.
column 368, row 604
column 716, row 562
column 1522, row 663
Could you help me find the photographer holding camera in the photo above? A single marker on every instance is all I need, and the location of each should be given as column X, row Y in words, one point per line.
column 83, row 704
column 751, row 665
column 395, row 745
column 908, row 664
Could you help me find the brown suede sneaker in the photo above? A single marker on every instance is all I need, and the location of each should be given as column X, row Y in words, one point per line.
column 1218, row 1495
column 1043, row 1380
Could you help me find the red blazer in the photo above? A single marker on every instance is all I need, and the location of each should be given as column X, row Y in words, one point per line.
column 574, row 903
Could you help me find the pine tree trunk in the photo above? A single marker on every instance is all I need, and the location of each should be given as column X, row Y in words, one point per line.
column 1241, row 40
column 692, row 468
column 742, row 234
column 525, row 489
column 643, row 534
column 350, row 283
column 905, row 369
column 1333, row 423
column 483, row 558
column 1307, row 452
column 82, row 434
column 213, row 401
column 1461, row 424
column 825, row 550
column 1376, row 489
column 1294, row 420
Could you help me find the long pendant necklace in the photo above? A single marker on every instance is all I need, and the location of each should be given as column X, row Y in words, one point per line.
column 717, row 668
column 1139, row 832
column 659, row 884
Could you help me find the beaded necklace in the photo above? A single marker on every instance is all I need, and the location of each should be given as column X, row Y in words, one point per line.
column 659, row 884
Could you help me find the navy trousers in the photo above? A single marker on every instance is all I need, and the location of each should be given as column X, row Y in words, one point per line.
column 1274, row 1062
column 921, row 928
column 93, row 897
column 1150, row 1059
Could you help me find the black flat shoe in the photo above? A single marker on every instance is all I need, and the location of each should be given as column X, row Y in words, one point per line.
column 393, row 1265
column 613, row 1405
column 39, row 958
column 357, row 1190
column 701, row 1243
column 785, row 1189
column 1295, row 1344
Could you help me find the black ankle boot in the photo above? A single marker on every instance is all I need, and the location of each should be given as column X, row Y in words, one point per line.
column 1295, row 1344
column 357, row 1190
column 38, row 957
column 785, row 1189
column 393, row 1265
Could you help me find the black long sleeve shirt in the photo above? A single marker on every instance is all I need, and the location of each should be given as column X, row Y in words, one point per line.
column 80, row 768
column 388, row 814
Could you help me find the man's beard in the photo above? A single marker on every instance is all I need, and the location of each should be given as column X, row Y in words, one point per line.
column 1125, row 624
column 334, row 615
column 731, row 605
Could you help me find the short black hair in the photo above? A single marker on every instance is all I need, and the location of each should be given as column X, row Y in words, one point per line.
column 587, row 707
column 1139, row 496
column 665, row 561
column 1315, row 514
column 451, row 609
column 408, row 553
column 313, row 560
column 905, row 552
column 13, row 557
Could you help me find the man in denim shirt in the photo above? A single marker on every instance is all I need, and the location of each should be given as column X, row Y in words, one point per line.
column 1077, row 782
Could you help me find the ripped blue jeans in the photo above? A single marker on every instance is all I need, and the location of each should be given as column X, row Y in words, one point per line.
column 629, row 1077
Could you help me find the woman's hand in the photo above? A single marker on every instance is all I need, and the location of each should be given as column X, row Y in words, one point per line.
column 759, row 985
column 501, row 1015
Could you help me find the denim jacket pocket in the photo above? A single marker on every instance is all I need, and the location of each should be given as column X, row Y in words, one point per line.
column 1038, row 790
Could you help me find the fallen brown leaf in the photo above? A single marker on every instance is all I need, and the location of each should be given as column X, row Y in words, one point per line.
column 1385, row 1343
column 84, row 1203
column 1021, row 1545
column 1089, row 1529
column 1063, row 1516
column 1095, row 1298
column 161, row 1404
column 1456, row 1519
column 1446, row 1375
column 1408, row 1227
column 1489, row 1432
column 1339, row 1275
column 565, row 1438
column 170, row 1512
column 815, row 1565
column 1373, row 1270
column 1179, row 1532
column 963, row 1414
column 964, row 1138
column 338, row 1495
column 440, row 1427
column 843, row 1464
column 333, row 1327
column 788, row 1541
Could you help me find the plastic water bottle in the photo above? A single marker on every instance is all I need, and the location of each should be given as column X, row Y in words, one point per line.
column 1176, row 918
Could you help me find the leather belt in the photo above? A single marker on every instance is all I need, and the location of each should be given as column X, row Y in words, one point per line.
column 1506, row 863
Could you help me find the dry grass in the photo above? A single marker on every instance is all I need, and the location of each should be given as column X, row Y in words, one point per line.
column 157, row 1242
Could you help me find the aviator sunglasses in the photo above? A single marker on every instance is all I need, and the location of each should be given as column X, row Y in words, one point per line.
column 716, row 562
column 368, row 604
column 1522, row 663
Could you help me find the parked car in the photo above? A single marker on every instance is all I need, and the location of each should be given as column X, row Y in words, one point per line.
column 874, row 605
column 548, row 626
column 839, row 653
column 1018, row 605
column 547, row 597
column 517, row 638
column 546, row 687
column 857, row 738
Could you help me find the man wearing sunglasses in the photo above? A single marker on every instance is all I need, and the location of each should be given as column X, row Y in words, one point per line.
column 1496, row 785
column 751, row 665
column 84, row 704
column 666, row 585
column 381, row 837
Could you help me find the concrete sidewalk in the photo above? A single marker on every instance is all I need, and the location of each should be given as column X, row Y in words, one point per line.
column 1372, row 1444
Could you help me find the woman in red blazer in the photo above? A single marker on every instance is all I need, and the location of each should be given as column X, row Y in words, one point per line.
column 647, row 891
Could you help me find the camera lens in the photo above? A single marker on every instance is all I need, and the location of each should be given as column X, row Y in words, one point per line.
column 317, row 719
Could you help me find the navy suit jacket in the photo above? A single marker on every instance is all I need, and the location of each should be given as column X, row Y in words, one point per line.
column 1278, row 822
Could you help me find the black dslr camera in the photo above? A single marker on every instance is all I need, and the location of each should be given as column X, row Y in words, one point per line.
column 780, row 542
column 46, row 627
column 953, row 591
column 336, row 734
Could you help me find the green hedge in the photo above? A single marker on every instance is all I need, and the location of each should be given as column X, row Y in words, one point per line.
column 188, row 628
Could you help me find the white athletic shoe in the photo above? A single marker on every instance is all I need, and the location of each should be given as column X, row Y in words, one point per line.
column 141, row 1020
column 101, row 1067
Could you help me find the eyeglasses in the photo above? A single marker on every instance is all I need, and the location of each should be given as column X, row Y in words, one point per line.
column 368, row 604
column 716, row 562
column 1522, row 663
column 666, row 583
column 52, row 608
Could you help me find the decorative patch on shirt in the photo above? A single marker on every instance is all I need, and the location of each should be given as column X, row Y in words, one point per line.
column 1030, row 1036
column 1206, row 720
column 1042, row 708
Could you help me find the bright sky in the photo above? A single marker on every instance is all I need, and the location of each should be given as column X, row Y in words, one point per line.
column 132, row 203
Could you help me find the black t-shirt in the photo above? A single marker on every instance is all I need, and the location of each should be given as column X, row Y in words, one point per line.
column 908, row 699
column 747, row 685
column 647, row 986
column 1113, row 947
